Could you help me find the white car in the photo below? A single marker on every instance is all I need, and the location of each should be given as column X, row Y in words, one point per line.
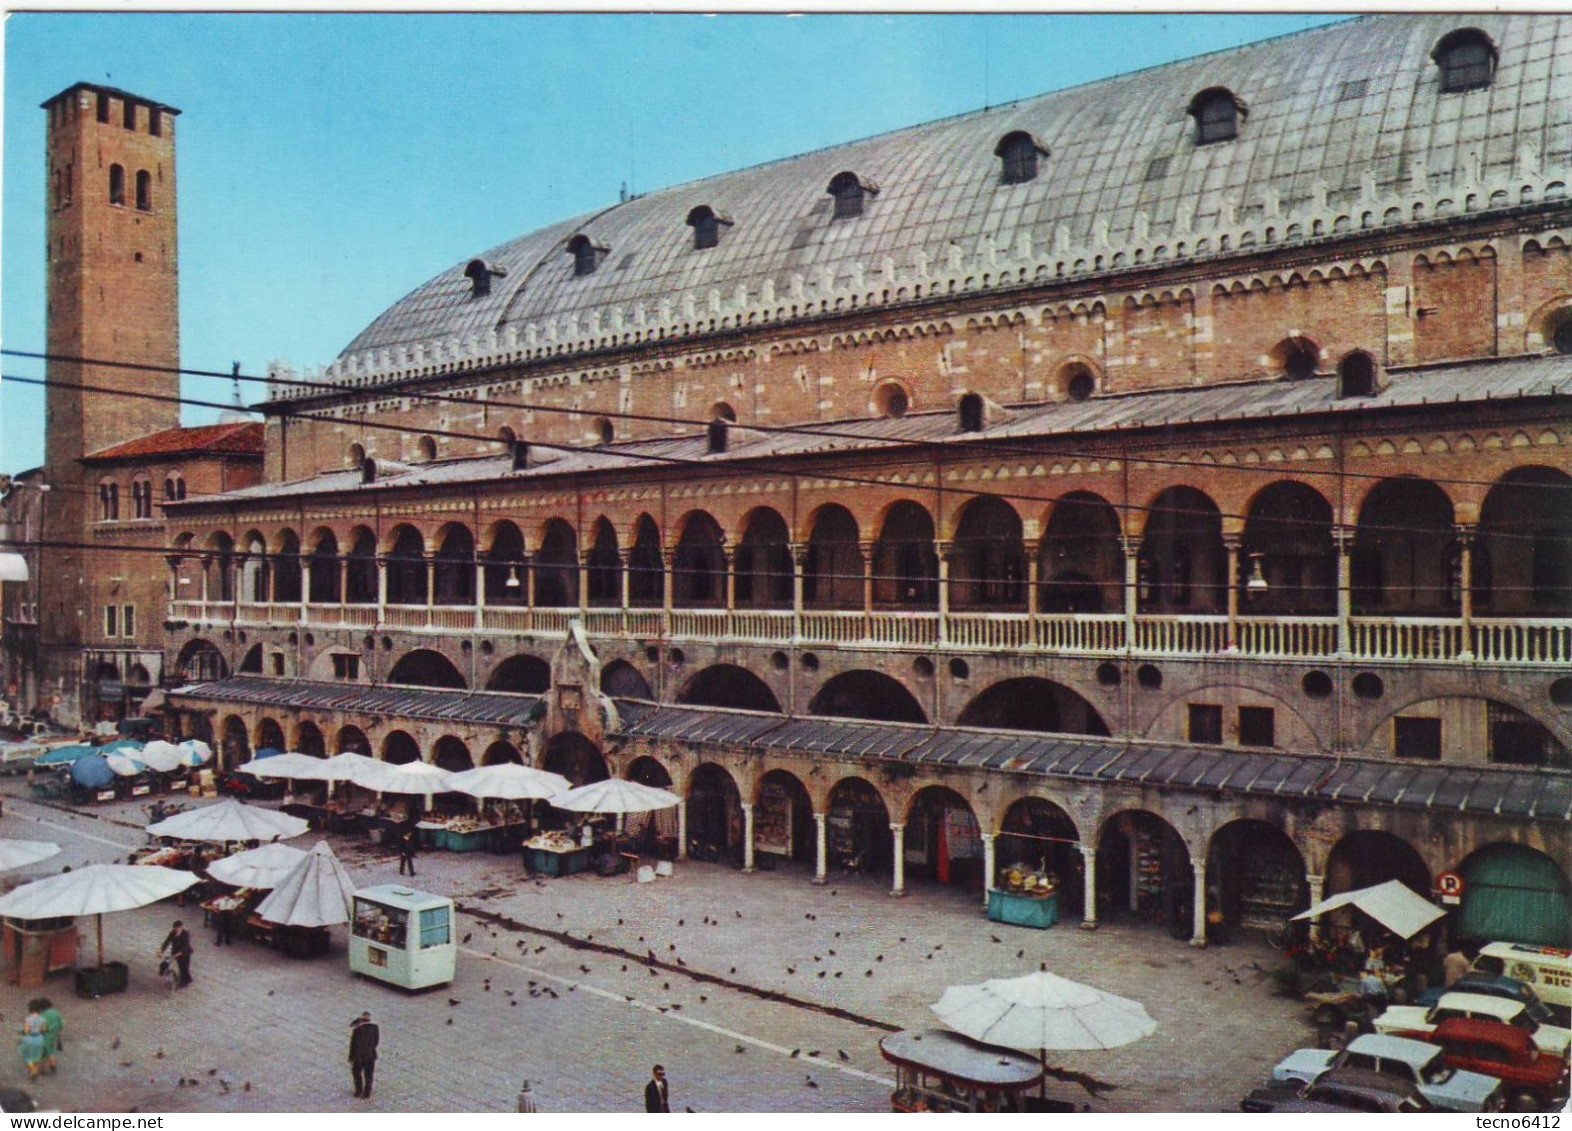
column 1413, row 1062
column 1405, row 1020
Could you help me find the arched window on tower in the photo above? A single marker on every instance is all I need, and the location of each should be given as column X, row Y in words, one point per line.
column 1467, row 59
column 144, row 191
column 117, row 184
column 850, row 191
column 587, row 254
column 706, row 224
column 1017, row 153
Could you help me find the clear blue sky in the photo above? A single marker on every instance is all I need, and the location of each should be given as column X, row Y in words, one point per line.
column 328, row 164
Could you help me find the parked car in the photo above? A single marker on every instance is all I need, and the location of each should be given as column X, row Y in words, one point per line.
column 1493, row 985
column 1547, row 968
column 1532, row 1079
column 1340, row 1090
column 1416, row 1021
column 1415, row 1063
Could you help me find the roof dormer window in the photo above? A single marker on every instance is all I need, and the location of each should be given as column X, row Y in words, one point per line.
column 480, row 273
column 849, row 191
column 1217, row 113
column 706, row 224
column 1017, row 153
column 1467, row 59
column 587, row 254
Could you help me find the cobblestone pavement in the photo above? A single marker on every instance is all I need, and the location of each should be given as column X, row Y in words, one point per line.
column 762, row 984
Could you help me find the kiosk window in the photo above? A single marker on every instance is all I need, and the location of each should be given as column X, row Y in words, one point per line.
column 434, row 927
column 386, row 925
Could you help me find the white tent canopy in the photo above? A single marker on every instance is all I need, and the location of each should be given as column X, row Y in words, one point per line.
column 95, row 890
column 262, row 867
column 20, row 853
column 295, row 766
column 317, row 892
column 408, row 777
column 229, row 820
column 161, row 756
column 1043, row 1011
column 509, row 782
column 615, row 795
column 1393, row 904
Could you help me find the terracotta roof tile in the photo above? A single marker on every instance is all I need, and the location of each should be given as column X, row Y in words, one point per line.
column 242, row 438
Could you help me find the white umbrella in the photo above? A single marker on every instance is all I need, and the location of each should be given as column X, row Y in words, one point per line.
column 409, row 777
column 509, row 782
column 1393, row 904
column 161, row 756
column 195, row 752
column 263, row 867
column 95, row 890
column 298, row 767
column 20, row 853
column 344, row 767
column 1043, row 1011
column 317, row 892
column 615, row 795
column 123, row 764
column 229, row 820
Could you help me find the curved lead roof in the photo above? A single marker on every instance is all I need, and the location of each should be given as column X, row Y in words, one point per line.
column 1330, row 110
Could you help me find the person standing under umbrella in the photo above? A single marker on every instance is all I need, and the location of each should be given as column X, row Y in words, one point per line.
column 178, row 944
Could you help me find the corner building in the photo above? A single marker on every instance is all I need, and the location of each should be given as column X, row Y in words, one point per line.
column 1164, row 479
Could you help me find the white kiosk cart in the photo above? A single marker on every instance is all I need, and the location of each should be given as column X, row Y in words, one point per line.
column 403, row 937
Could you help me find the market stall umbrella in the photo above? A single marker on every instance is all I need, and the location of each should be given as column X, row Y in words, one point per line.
column 126, row 745
column 509, row 782
column 64, row 755
column 195, row 752
column 615, row 795
column 344, row 767
column 408, row 777
column 1393, row 904
column 91, row 771
column 229, row 820
column 1043, row 1011
column 316, row 893
column 263, row 867
column 97, row 890
column 161, row 756
column 298, row 767
column 123, row 764
column 21, row 853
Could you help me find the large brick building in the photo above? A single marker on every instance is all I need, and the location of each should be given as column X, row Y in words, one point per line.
column 83, row 637
column 1165, row 479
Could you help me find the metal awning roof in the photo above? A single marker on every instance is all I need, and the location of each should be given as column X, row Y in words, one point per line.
column 1522, row 794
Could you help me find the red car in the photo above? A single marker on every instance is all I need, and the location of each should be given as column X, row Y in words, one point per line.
column 1532, row 1079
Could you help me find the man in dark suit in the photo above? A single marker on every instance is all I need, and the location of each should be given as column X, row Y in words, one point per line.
column 363, row 1038
column 178, row 944
column 656, row 1096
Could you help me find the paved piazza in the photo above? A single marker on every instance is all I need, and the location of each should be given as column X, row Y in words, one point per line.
column 752, row 970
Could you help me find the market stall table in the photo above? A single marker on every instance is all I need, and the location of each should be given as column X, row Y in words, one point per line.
column 302, row 942
column 556, row 855
column 1019, row 909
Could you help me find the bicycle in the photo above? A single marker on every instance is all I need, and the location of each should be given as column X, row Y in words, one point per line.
column 169, row 972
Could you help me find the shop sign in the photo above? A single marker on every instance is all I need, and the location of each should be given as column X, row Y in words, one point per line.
column 1450, row 885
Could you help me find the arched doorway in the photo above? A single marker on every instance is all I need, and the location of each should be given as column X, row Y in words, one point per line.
column 714, row 816
column 647, row 771
column 406, row 568
column 1402, row 549
column 858, row 829
column 646, row 574
column 453, row 570
column 943, row 840
column 604, row 573
column 522, row 674
column 988, row 560
column 500, row 753
column 352, row 740
column 1287, row 543
column 1080, row 562
column 726, row 685
column 398, row 749
column 1522, row 559
column 621, row 680
column 235, row 747
column 360, row 568
column 286, row 569
column 867, row 695
column 426, row 668
column 1363, row 859
column 1182, row 561
column 654, row 832
column 575, row 758
column 452, row 755
column 699, row 565
column 308, row 740
column 1512, row 893
column 270, row 736
column 832, row 571
column 556, row 566
column 905, row 563
column 1255, row 876
column 1039, row 838
column 1031, row 703
column 1143, row 872
column 323, row 577
column 763, row 563
column 783, row 819
column 504, row 569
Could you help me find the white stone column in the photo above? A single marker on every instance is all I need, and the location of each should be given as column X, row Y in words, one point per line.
column 343, row 583
column 382, row 590
column 1231, row 545
column 943, row 549
column 820, row 848
column 799, row 561
column 625, row 573
column 682, row 830
column 747, row 836
column 1343, row 542
column 1465, row 598
column 1198, row 912
column 1317, row 886
column 480, row 594
column 1089, row 911
column 898, row 837
column 431, row 585
column 1132, row 587
column 987, row 839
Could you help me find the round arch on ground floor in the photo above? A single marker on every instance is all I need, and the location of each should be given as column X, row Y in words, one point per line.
column 1144, row 872
column 1513, row 893
column 234, row 742
column 783, row 818
column 399, row 748
column 352, row 740
column 501, row 752
column 309, row 741
column 648, row 771
column 715, row 822
column 858, row 828
column 575, row 758
column 943, row 839
column 452, row 754
column 1255, row 876
column 270, row 736
column 1038, row 837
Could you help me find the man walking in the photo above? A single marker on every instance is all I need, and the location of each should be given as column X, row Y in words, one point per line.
column 656, row 1095
column 408, row 840
column 363, row 1038
column 178, row 944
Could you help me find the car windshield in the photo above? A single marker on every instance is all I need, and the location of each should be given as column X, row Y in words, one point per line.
column 1437, row 1072
column 1524, row 1022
